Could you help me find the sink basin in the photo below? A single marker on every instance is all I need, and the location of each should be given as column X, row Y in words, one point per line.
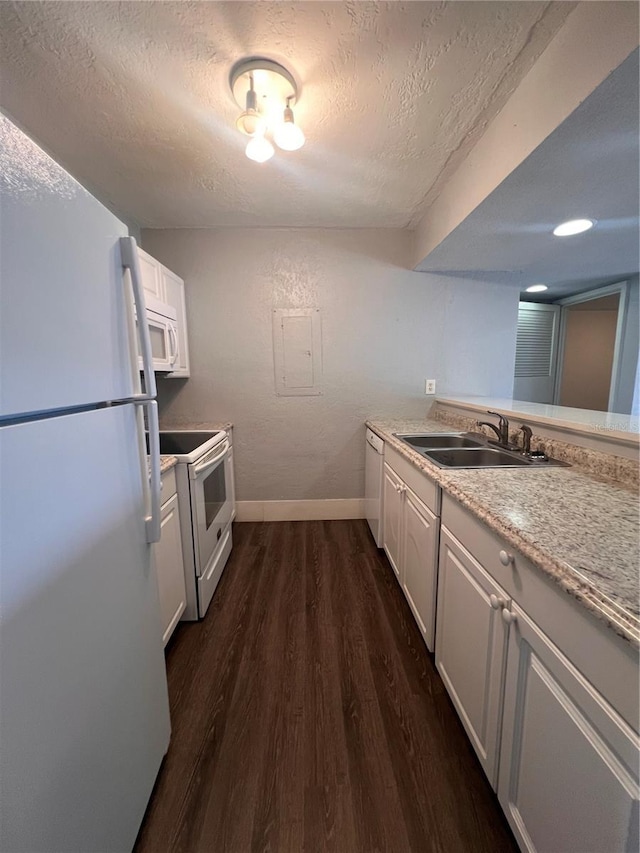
column 479, row 457
column 438, row 440
column 471, row 450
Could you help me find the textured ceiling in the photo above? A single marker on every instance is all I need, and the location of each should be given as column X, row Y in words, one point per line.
column 587, row 168
column 133, row 99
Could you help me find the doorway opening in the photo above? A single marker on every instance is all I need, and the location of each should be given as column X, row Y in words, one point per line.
column 576, row 352
column 588, row 351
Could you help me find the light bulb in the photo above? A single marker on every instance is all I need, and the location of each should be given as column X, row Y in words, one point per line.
column 288, row 135
column 574, row 226
column 259, row 149
column 250, row 122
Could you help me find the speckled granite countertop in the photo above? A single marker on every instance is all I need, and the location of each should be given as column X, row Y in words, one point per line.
column 167, row 462
column 580, row 530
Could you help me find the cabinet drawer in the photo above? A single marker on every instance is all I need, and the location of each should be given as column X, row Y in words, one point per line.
column 426, row 489
column 168, row 486
column 606, row 660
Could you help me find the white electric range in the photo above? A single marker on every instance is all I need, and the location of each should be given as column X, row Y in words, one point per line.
column 206, row 500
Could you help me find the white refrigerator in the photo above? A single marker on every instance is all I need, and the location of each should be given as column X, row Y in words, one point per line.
column 84, row 715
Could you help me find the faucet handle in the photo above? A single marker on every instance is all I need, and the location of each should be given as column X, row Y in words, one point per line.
column 527, row 432
column 500, row 417
column 503, row 426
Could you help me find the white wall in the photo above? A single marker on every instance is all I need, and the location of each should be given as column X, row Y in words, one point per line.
column 385, row 329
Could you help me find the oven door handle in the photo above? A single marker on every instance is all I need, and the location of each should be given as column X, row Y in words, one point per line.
column 210, row 463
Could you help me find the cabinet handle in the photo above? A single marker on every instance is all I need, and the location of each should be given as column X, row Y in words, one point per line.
column 506, row 558
column 508, row 617
column 398, row 489
column 496, row 602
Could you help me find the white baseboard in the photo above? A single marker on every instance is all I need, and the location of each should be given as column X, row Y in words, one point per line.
column 300, row 510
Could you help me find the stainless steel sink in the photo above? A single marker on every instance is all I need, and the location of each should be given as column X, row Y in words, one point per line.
column 471, row 450
column 435, row 441
column 478, row 457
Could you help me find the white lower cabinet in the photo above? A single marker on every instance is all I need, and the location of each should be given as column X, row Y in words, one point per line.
column 410, row 541
column 548, row 696
column 419, row 563
column 392, row 502
column 569, row 762
column 170, row 568
column 471, row 644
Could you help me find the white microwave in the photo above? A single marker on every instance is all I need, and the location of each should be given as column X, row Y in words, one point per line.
column 163, row 333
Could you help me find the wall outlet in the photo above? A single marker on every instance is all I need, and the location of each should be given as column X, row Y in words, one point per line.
column 429, row 386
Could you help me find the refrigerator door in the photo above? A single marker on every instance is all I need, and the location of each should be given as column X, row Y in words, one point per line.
column 84, row 716
column 64, row 327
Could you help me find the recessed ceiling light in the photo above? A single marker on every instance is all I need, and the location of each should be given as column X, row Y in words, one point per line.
column 574, row 226
column 537, row 288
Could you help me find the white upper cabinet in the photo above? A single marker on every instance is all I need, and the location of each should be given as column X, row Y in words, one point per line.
column 174, row 296
column 150, row 274
column 166, row 287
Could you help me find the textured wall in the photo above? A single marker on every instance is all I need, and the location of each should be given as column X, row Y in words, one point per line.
column 385, row 329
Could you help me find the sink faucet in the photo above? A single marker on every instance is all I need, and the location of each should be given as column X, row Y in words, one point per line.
column 502, row 430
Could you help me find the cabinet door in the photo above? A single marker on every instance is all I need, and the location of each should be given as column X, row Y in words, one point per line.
column 150, row 274
column 419, row 562
column 170, row 569
column 568, row 764
column 174, row 295
column 471, row 645
column 393, row 500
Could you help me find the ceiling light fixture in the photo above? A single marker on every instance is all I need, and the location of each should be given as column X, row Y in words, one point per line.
column 573, row 226
column 537, row 288
column 266, row 90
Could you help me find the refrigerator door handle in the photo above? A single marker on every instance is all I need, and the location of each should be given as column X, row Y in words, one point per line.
column 129, row 255
column 151, row 481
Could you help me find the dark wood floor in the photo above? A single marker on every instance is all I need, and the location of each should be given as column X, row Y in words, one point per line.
column 308, row 716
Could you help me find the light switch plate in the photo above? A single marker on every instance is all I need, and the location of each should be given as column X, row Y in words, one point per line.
column 429, row 386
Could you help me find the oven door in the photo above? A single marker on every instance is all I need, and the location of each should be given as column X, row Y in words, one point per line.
column 211, row 502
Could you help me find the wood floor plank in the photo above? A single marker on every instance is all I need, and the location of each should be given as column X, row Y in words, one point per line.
column 307, row 714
